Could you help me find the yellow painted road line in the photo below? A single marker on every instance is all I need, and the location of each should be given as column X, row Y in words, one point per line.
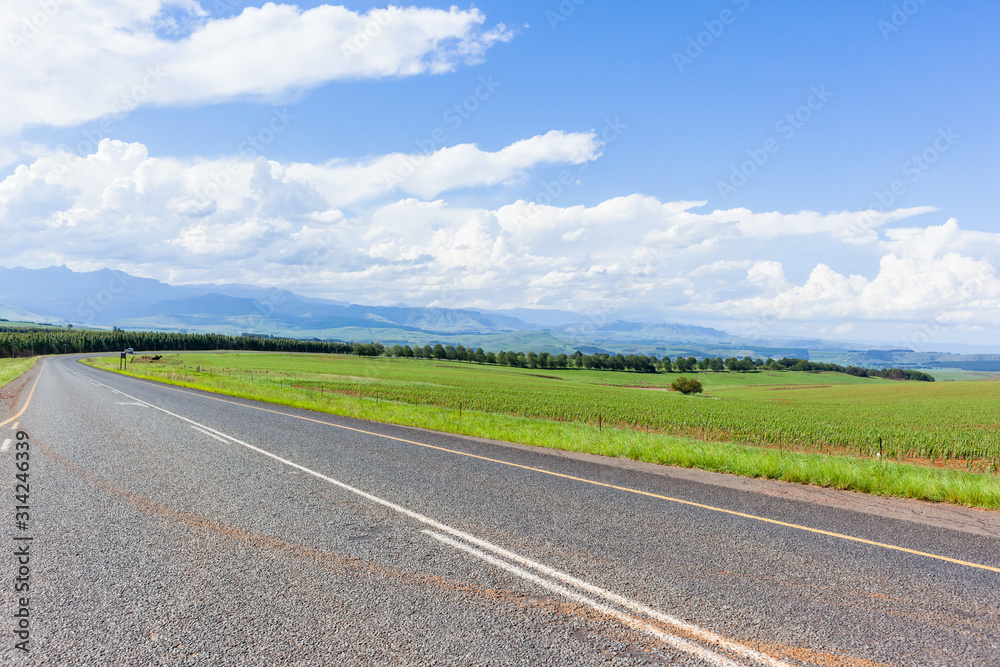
column 30, row 394
column 649, row 494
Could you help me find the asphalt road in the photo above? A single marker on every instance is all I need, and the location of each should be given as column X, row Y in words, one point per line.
column 175, row 527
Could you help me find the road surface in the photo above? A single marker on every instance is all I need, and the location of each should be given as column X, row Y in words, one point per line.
column 175, row 527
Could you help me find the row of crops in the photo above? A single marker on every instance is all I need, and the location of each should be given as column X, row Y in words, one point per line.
column 953, row 421
column 800, row 419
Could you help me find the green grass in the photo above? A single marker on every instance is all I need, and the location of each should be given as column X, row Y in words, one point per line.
column 955, row 374
column 559, row 409
column 32, row 325
column 11, row 369
column 954, row 422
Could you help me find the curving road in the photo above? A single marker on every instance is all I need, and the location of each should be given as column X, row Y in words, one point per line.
column 176, row 527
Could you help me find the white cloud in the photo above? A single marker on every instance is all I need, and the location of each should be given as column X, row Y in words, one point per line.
column 768, row 276
column 341, row 229
column 948, row 288
column 235, row 219
column 856, row 227
column 929, row 242
column 721, row 266
column 84, row 61
column 122, row 176
column 447, row 168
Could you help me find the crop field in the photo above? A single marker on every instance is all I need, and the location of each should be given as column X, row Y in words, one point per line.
column 945, row 424
column 952, row 374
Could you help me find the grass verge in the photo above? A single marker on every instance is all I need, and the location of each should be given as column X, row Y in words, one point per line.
column 11, row 369
column 837, row 472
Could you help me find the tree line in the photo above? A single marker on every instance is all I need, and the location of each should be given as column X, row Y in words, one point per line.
column 25, row 342
column 22, row 342
column 639, row 363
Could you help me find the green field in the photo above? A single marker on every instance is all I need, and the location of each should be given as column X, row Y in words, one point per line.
column 955, row 374
column 782, row 424
column 31, row 325
column 11, row 369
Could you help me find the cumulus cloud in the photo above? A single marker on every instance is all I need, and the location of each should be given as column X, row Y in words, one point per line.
column 767, row 276
column 67, row 63
column 364, row 231
column 950, row 288
column 200, row 215
column 928, row 242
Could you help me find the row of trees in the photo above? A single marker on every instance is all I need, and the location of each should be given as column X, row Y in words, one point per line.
column 24, row 342
column 21, row 342
column 858, row 371
column 632, row 362
column 639, row 363
column 891, row 373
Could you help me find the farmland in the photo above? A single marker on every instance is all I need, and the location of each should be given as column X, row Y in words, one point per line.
column 946, row 424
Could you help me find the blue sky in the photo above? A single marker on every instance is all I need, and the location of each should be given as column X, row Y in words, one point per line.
column 767, row 168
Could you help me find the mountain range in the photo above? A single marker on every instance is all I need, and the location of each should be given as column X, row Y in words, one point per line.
column 106, row 298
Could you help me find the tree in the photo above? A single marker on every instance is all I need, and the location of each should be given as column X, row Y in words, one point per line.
column 685, row 364
column 686, row 386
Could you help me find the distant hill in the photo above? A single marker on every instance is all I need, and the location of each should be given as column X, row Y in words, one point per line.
column 649, row 332
column 106, row 298
column 113, row 298
column 882, row 357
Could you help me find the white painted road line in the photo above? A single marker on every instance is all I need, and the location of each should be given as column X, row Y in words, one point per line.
column 6, row 445
column 631, row 621
column 211, row 435
column 687, row 627
column 86, row 379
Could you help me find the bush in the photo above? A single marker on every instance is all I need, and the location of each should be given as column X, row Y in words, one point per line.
column 686, row 386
